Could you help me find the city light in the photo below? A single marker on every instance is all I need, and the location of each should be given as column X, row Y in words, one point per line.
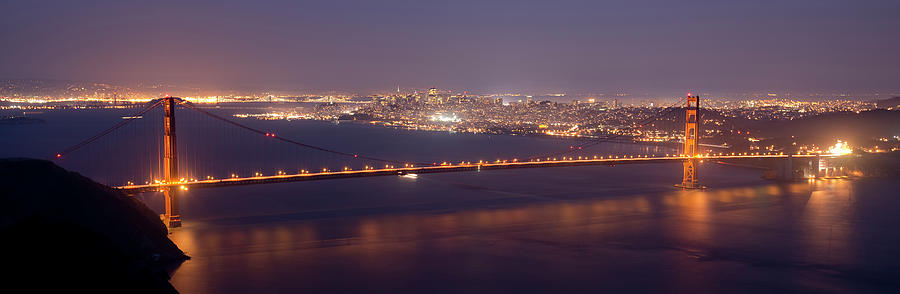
column 840, row 148
column 605, row 178
column 440, row 117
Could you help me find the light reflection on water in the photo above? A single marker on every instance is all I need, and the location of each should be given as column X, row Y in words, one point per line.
column 576, row 229
column 770, row 236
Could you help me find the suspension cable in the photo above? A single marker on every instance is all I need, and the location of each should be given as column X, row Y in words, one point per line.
column 109, row 130
column 597, row 141
column 272, row 135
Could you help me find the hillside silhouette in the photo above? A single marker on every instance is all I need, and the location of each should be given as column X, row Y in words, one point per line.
column 75, row 235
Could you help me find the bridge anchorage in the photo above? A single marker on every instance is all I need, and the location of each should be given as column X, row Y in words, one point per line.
column 691, row 142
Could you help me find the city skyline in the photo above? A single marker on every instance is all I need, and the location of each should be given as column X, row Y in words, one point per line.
column 57, row 90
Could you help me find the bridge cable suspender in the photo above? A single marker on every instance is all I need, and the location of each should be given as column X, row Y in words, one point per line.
column 195, row 108
column 594, row 142
column 192, row 107
column 109, row 130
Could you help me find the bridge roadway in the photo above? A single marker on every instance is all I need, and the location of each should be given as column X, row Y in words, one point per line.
column 196, row 184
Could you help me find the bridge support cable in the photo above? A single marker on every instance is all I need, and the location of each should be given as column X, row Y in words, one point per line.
column 289, row 141
column 590, row 143
column 120, row 154
column 109, row 130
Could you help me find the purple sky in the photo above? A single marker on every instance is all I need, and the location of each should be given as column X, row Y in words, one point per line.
column 485, row 46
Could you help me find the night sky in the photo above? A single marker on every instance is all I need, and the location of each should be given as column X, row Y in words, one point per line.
column 484, row 46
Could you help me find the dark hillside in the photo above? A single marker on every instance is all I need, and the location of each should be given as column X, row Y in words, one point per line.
column 890, row 103
column 76, row 235
column 858, row 128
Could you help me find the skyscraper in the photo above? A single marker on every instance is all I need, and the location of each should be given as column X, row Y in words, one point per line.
column 432, row 95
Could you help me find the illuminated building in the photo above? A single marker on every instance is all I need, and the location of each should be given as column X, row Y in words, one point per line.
column 432, row 96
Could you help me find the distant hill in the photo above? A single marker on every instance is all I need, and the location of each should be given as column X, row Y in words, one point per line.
column 851, row 126
column 74, row 235
column 890, row 103
column 675, row 120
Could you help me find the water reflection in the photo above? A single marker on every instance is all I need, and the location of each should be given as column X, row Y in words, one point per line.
column 610, row 229
column 781, row 236
column 827, row 223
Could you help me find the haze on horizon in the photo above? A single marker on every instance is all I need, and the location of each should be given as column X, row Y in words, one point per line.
column 646, row 45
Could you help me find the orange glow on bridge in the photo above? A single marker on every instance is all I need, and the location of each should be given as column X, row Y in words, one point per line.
column 305, row 175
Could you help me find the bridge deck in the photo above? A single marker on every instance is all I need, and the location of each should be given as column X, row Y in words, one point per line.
column 132, row 189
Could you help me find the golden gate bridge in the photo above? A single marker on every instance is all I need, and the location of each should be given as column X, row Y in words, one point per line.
column 170, row 163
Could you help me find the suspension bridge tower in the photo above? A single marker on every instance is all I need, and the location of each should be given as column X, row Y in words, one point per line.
column 172, row 218
column 691, row 142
